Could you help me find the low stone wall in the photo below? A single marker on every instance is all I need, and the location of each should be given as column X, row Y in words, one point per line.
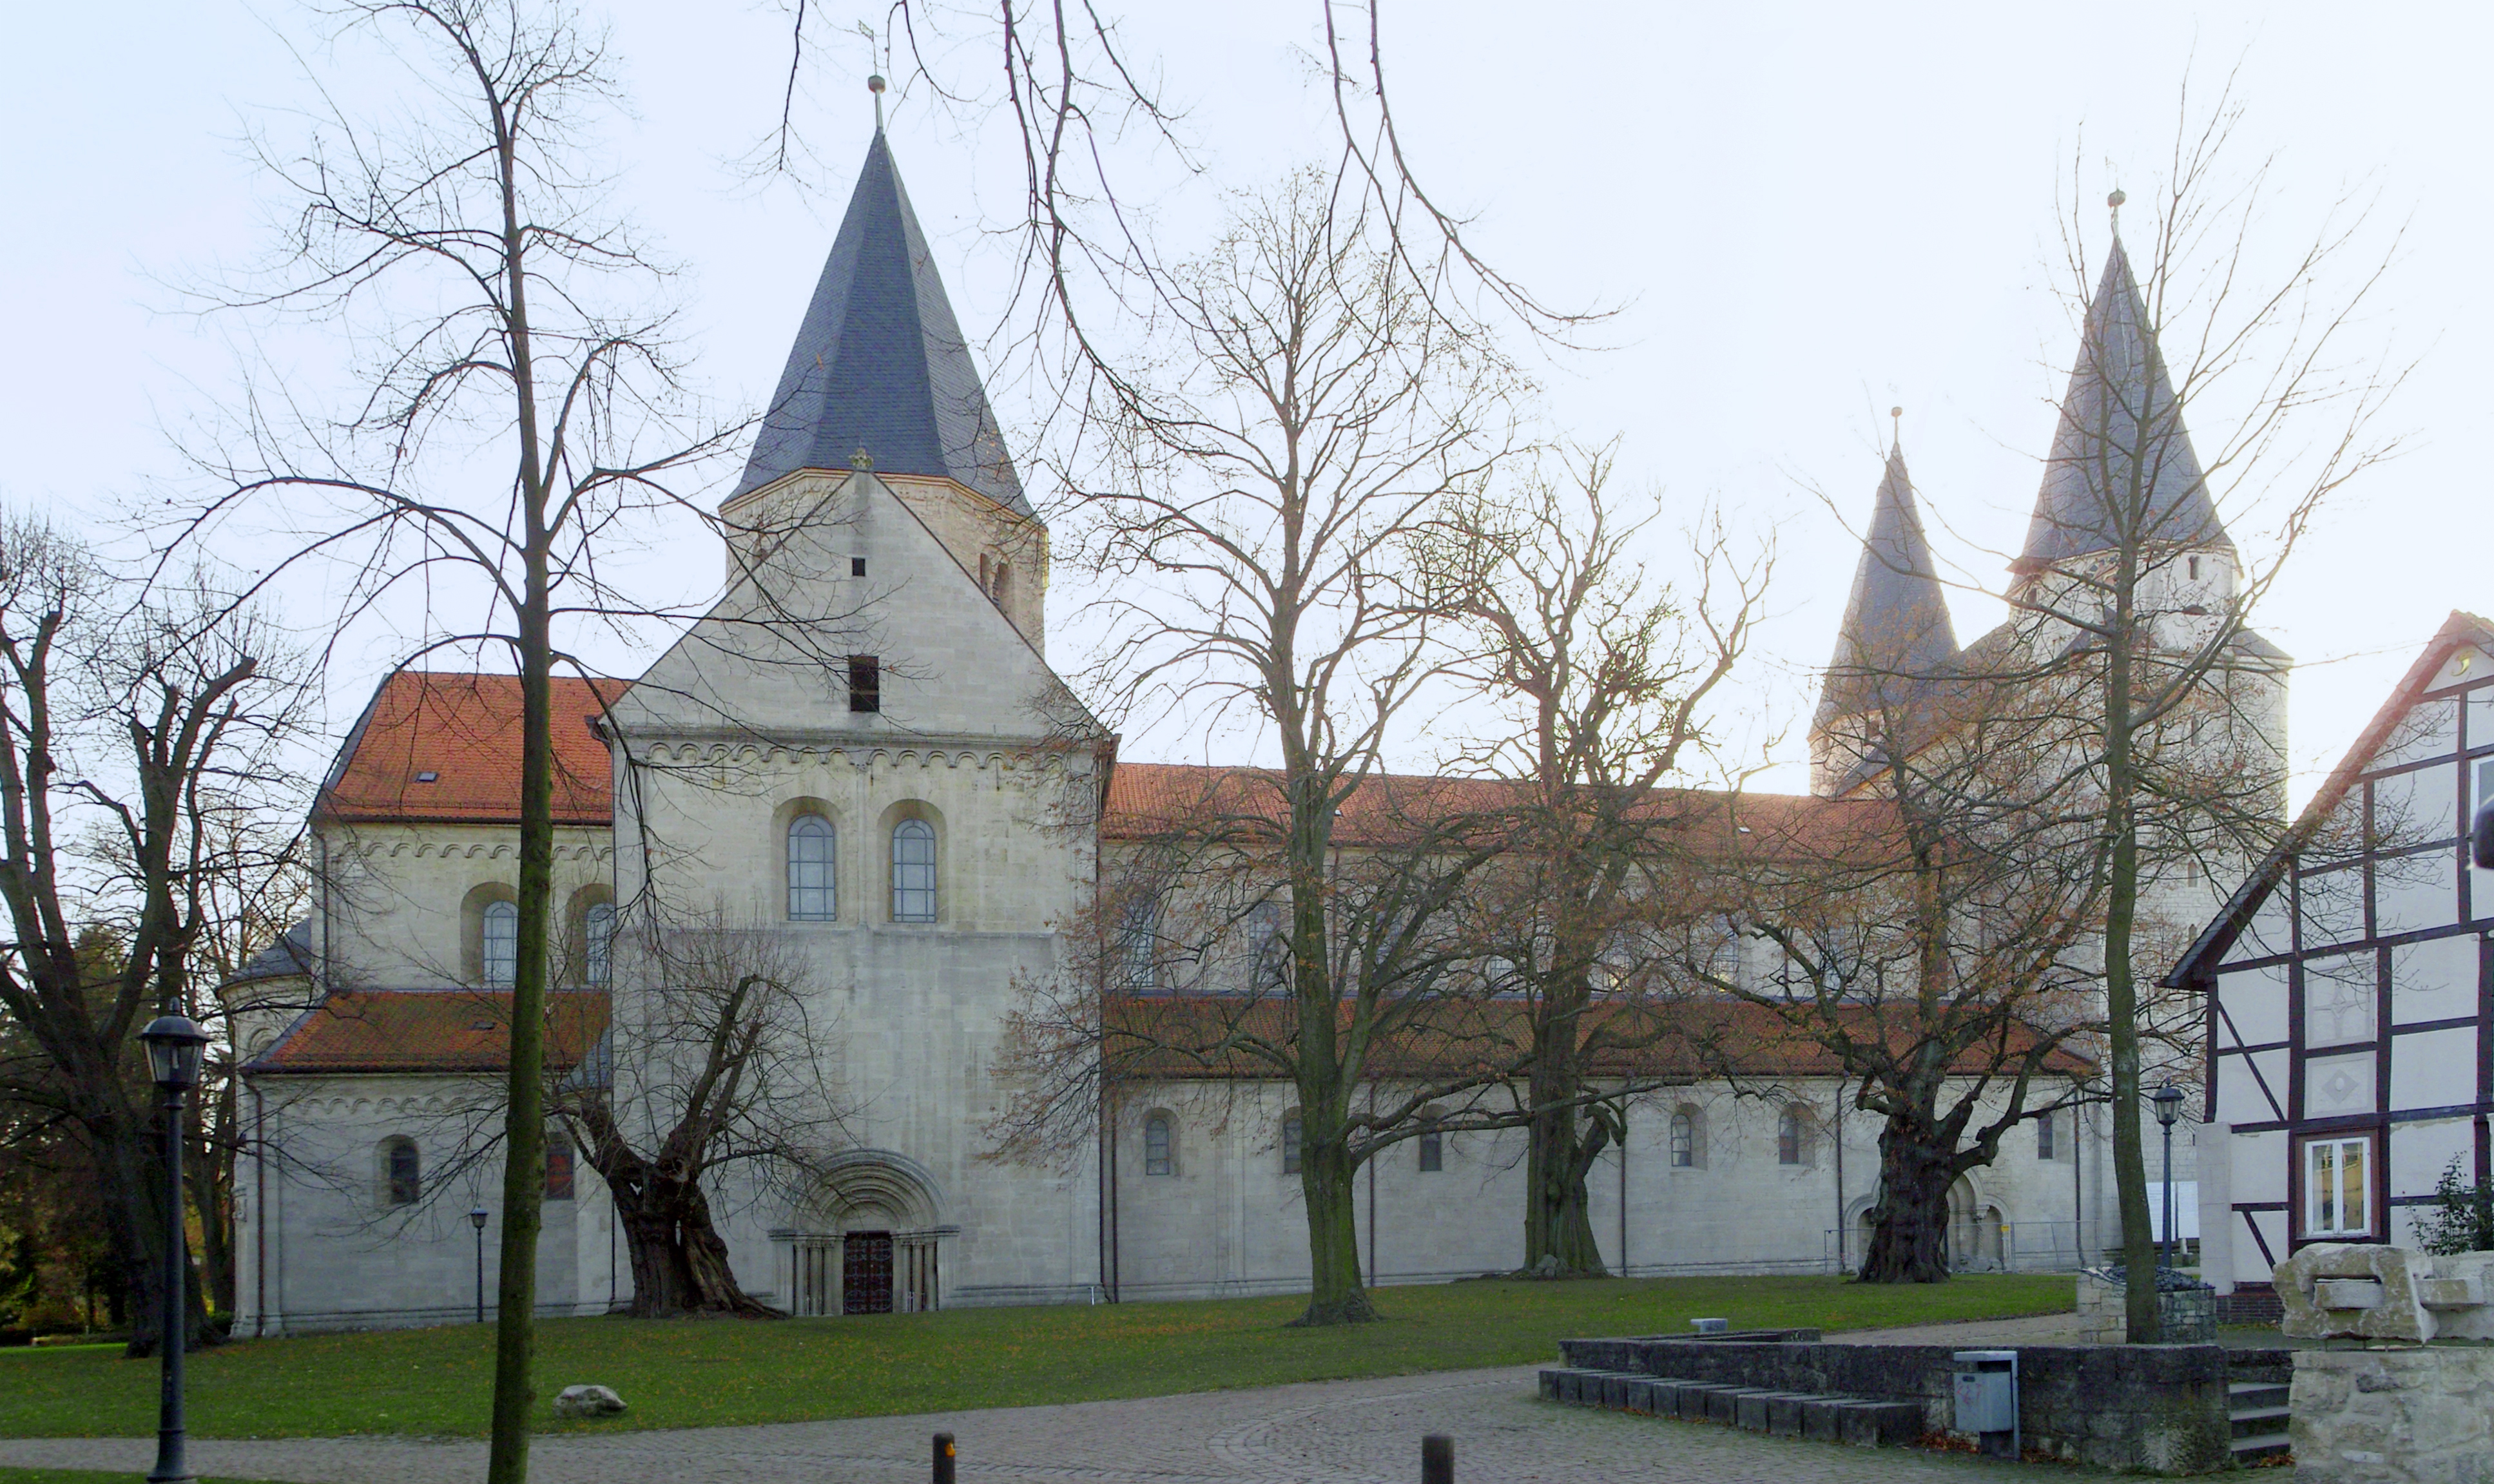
column 2157, row 1408
column 2395, row 1416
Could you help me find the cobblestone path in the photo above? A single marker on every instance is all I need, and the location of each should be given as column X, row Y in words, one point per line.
column 1364, row 1432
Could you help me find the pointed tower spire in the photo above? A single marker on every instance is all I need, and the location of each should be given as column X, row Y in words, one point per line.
column 880, row 367
column 2122, row 470
column 1897, row 630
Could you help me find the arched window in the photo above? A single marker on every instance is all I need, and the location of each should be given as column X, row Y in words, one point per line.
column 559, row 1163
column 2044, row 1136
column 811, row 896
column 913, row 871
column 1792, row 1135
column 1684, row 1140
column 502, row 944
column 1432, row 1142
column 1291, row 1130
column 1138, row 943
column 598, row 946
column 402, row 1172
column 1156, row 1144
column 1268, row 949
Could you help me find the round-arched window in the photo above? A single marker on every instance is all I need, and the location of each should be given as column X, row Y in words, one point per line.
column 502, row 944
column 402, row 1172
column 913, row 871
column 812, row 896
column 1158, row 1136
column 598, row 932
column 1684, row 1140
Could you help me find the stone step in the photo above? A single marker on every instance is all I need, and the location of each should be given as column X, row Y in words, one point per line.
column 2264, row 1446
column 2258, row 1421
column 2241, row 1394
column 1859, row 1420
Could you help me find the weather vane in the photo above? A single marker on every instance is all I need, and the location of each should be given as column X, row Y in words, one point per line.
column 874, row 76
column 1896, row 427
column 2114, row 202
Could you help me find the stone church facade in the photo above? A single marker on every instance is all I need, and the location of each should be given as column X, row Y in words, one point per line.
column 861, row 748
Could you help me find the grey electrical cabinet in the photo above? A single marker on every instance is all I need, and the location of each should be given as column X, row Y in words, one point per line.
column 1987, row 1399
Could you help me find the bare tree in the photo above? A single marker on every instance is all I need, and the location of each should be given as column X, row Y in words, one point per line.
column 514, row 321
column 714, row 1064
column 1260, row 469
column 1598, row 678
column 147, row 715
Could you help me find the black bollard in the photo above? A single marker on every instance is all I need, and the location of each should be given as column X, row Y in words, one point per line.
column 1437, row 1459
column 943, row 1457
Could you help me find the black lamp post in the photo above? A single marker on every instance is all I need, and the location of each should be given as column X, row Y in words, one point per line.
column 173, row 1043
column 2168, row 1108
column 476, row 1219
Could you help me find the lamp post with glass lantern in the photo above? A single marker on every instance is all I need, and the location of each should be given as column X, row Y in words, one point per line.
column 173, row 1043
column 476, row 1219
column 2168, row 1108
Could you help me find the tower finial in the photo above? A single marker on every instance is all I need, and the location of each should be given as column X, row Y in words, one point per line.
column 1896, row 429
column 2114, row 202
column 874, row 85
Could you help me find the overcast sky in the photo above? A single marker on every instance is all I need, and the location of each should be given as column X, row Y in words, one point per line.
column 1807, row 213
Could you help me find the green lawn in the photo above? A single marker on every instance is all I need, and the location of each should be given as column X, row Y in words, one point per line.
column 80, row 1476
column 701, row 1374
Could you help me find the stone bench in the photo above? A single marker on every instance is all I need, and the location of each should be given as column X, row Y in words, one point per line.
column 1863, row 1421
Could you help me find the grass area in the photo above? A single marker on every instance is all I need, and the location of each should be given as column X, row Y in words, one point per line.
column 712, row 1373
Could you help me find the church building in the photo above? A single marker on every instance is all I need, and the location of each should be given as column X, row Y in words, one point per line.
column 862, row 753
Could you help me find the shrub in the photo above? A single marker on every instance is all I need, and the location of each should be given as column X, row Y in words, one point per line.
column 2461, row 1218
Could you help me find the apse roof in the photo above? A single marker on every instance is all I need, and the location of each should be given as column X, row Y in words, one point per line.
column 880, row 364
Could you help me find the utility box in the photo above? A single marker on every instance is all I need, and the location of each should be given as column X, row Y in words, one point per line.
column 1711, row 1326
column 1987, row 1400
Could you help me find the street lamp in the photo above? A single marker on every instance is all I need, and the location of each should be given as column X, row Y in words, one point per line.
column 173, row 1043
column 2168, row 1108
column 476, row 1219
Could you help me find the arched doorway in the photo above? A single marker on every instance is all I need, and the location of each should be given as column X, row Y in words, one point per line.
column 869, row 1240
column 1975, row 1231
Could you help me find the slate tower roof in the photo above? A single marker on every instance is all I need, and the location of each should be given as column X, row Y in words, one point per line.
column 2121, row 462
column 1897, row 630
column 880, row 363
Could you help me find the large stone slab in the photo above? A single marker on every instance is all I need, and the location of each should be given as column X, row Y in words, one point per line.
column 2394, row 1416
column 2369, row 1291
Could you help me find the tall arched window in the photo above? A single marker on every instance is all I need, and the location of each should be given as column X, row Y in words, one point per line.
column 913, row 871
column 1684, row 1140
column 1138, row 943
column 811, row 893
column 402, row 1172
column 1432, row 1142
column 1792, row 1135
column 598, row 946
column 1290, row 1133
column 502, row 944
column 1157, row 1138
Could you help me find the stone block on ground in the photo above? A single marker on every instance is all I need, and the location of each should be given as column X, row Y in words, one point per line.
column 586, row 1401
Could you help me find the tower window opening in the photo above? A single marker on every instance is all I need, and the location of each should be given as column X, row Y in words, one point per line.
column 866, row 684
column 857, row 566
column 2194, row 565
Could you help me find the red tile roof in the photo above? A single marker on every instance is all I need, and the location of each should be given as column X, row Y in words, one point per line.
column 429, row 1030
column 464, row 730
column 1150, row 800
column 1182, row 1038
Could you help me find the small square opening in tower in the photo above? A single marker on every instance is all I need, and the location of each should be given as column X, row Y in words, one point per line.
column 2194, row 564
column 857, row 566
column 866, row 684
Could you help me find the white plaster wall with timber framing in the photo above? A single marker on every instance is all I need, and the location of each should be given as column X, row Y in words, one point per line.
column 2348, row 990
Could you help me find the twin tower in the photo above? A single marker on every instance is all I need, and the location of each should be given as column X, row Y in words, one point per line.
column 2122, row 488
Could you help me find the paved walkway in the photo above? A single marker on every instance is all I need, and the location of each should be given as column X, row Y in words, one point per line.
column 1364, row 1432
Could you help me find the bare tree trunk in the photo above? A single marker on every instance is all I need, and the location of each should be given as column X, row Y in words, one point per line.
column 1558, row 1218
column 1335, row 1292
column 1909, row 1225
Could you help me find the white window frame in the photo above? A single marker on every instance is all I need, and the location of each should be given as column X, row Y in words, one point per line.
column 498, row 942
column 814, row 845
column 913, row 871
column 2325, row 1199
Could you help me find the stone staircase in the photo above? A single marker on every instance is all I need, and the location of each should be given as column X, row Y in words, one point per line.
column 2255, row 1393
column 1859, row 1420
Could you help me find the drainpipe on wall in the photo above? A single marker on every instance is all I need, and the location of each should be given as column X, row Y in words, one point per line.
column 1623, row 1189
column 1839, row 1121
column 1371, row 1192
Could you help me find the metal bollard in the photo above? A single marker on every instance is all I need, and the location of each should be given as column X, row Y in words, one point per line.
column 1437, row 1459
column 943, row 1457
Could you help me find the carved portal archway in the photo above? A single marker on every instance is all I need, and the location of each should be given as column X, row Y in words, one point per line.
column 869, row 1238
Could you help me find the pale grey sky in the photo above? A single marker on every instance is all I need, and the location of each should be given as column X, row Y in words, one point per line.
column 1809, row 211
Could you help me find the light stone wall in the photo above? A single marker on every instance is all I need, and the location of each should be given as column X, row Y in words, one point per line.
column 394, row 898
column 2394, row 1416
column 318, row 1247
